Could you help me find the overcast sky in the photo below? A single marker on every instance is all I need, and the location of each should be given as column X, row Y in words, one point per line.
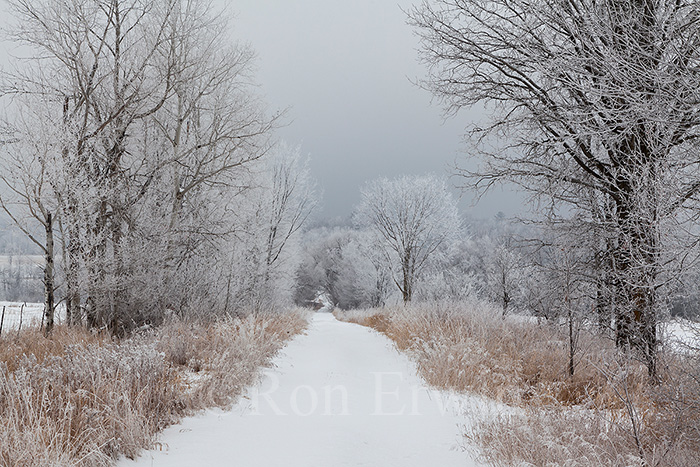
column 344, row 70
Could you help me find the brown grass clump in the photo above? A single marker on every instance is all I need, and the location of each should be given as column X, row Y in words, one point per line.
column 217, row 362
column 80, row 399
column 466, row 350
column 608, row 413
column 30, row 342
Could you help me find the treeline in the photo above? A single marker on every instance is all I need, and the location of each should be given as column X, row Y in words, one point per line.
column 521, row 267
column 138, row 159
column 485, row 259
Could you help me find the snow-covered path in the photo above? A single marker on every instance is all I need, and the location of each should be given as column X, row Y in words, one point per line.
column 340, row 395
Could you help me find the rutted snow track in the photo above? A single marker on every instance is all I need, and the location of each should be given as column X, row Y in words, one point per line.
column 340, row 395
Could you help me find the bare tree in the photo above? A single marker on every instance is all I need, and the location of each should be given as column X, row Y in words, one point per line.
column 213, row 125
column 414, row 217
column 291, row 200
column 29, row 176
column 97, row 63
column 504, row 273
column 598, row 101
column 272, row 212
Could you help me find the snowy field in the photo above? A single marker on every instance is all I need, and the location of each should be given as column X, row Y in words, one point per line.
column 28, row 314
column 681, row 334
column 36, row 261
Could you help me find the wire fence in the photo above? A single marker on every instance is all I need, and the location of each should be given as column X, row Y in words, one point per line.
column 15, row 316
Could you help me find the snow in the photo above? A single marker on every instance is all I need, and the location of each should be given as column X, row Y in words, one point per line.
column 682, row 334
column 29, row 316
column 339, row 395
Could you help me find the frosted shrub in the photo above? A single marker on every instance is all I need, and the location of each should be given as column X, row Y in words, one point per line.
column 92, row 404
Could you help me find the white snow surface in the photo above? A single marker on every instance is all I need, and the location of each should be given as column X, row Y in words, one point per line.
column 682, row 335
column 28, row 314
column 339, row 395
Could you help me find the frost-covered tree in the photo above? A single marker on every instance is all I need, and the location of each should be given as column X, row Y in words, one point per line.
column 505, row 273
column 265, row 251
column 415, row 219
column 451, row 279
column 372, row 268
column 597, row 104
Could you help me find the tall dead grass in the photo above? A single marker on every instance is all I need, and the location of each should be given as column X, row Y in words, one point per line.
column 608, row 413
column 80, row 399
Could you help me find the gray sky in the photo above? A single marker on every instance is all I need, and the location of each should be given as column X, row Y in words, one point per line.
column 344, row 70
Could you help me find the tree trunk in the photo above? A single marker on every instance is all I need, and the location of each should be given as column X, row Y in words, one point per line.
column 91, row 312
column 119, row 321
column 572, row 341
column 505, row 296
column 48, row 277
column 636, row 268
column 73, row 292
column 604, row 305
column 95, row 304
column 406, row 288
column 70, row 249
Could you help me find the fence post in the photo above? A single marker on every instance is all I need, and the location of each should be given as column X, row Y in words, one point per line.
column 2, row 319
column 21, row 315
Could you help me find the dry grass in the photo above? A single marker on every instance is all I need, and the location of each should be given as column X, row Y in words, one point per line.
column 80, row 399
column 607, row 414
column 217, row 362
column 31, row 342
